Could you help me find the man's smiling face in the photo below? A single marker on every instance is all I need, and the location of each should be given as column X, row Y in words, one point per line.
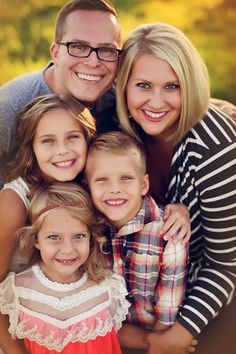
column 86, row 78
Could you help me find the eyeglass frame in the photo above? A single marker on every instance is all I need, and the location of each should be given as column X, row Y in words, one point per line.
column 92, row 49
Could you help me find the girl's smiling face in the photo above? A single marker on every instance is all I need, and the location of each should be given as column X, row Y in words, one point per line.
column 153, row 95
column 60, row 146
column 64, row 244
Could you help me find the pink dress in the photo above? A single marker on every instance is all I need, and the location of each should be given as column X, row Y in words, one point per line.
column 81, row 317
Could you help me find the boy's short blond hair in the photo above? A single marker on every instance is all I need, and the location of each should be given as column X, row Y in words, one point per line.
column 117, row 142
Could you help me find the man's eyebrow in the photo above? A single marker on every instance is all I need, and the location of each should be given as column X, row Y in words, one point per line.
column 105, row 44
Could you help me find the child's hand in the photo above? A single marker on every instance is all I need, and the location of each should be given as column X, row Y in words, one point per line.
column 177, row 223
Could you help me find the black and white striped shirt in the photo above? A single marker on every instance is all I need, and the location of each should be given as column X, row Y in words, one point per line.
column 203, row 177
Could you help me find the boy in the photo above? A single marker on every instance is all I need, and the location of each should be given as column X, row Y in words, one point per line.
column 154, row 269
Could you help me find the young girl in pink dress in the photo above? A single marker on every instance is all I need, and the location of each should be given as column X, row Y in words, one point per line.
column 64, row 301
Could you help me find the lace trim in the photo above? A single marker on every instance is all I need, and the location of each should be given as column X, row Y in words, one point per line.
column 7, row 307
column 57, row 286
column 82, row 333
column 62, row 324
column 66, row 302
column 96, row 322
column 119, row 292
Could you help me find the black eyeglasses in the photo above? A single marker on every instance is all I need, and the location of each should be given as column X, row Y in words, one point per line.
column 81, row 50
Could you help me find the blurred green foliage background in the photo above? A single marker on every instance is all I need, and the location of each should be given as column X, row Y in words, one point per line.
column 27, row 29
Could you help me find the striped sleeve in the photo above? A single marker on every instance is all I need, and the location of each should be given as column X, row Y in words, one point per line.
column 204, row 179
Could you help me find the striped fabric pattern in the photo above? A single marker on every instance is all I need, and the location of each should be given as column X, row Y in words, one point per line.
column 154, row 270
column 203, row 177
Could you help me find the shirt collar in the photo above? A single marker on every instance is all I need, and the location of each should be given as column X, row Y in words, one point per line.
column 147, row 213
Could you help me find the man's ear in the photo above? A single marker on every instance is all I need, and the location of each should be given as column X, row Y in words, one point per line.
column 145, row 184
column 54, row 48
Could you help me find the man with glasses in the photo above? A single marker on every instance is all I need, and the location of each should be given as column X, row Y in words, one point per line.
column 84, row 54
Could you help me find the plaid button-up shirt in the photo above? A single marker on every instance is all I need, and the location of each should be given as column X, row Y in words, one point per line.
column 154, row 269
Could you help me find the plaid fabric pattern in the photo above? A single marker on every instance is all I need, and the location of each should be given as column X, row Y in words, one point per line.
column 154, row 269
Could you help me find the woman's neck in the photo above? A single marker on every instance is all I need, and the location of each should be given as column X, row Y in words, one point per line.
column 159, row 156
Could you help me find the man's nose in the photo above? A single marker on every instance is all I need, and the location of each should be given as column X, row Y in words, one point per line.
column 92, row 59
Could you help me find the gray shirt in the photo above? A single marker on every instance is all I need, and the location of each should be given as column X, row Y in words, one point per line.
column 14, row 95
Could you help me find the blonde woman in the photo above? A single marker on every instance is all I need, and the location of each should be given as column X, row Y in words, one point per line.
column 163, row 99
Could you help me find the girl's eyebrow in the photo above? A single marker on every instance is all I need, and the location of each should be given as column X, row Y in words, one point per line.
column 67, row 132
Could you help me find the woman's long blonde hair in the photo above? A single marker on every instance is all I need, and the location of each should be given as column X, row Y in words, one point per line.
column 167, row 43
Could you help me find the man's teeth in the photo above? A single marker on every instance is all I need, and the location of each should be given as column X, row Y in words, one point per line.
column 154, row 115
column 89, row 77
column 64, row 163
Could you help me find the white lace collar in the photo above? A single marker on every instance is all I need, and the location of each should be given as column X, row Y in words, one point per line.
column 57, row 286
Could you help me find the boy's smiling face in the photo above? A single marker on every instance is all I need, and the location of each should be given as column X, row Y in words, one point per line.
column 117, row 184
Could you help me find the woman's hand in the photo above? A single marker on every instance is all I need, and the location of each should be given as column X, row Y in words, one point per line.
column 176, row 223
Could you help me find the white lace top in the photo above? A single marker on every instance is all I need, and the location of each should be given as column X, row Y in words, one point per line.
column 21, row 188
column 54, row 314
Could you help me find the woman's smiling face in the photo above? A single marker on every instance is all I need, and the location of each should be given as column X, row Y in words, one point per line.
column 153, row 95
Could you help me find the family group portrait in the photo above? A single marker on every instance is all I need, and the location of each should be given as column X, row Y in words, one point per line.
column 117, row 177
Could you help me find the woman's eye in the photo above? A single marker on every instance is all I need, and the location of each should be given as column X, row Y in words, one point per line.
column 172, row 86
column 143, row 85
column 53, row 237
